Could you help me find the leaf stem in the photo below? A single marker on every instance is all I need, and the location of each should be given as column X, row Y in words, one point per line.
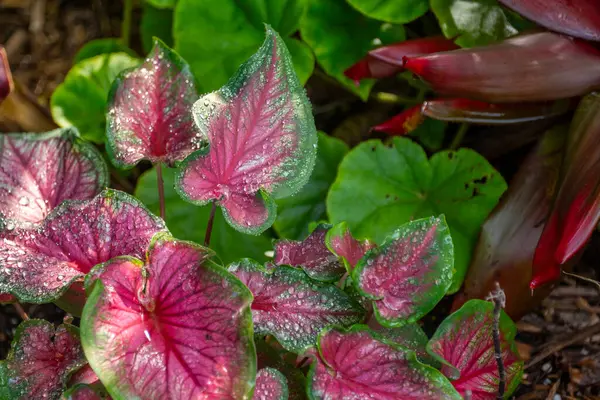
column 209, row 226
column 126, row 24
column 161, row 190
column 499, row 299
column 460, row 135
column 20, row 311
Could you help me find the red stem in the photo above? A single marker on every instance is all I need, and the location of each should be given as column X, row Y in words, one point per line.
column 161, row 190
column 209, row 226
column 20, row 311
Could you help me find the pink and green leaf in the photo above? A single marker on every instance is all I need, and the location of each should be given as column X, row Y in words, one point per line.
column 6, row 82
column 409, row 336
column 339, row 241
column 310, row 254
column 359, row 364
column 270, row 385
column 463, row 343
column 174, row 326
column 39, row 266
column 38, row 171
column 262, row 140
column 290, row 306
column 409, row 273
column 149, row 111
column 41, row 359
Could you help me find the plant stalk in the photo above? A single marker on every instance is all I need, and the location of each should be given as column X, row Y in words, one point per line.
column 209, row 226
column 126, row 24
column 161, row 190
column 20, row 311
column 499, row 299
column 460, row 135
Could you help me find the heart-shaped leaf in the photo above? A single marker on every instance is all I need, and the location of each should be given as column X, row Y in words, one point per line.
column 291, row 306
column 339, row 241
column 175, row 326
column 295, row 213
column 358, row 364
column 409, row 273
column 80, row 100
column 40, row 170
column 532, row 67
column 38, row 266
column 262, row 140
column 97, row 47
column 6, row 82
column 463, row 343
column 398, row 11
column 149, row 111
column 41, row 359
column 310, row 254
column 579, row 18
column 270, row 385
column 391, row 185
column 83, row 392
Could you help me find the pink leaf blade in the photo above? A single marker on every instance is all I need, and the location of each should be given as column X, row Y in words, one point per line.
column 339, row 241
column 149, row 111
column 262, row 140
column 270, row 385
column 174, row 326
column 409, row 273
column 6, row 81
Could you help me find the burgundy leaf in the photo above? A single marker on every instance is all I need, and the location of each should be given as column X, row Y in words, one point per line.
column 339, row 240
column 388, row 60
column 463, row 342
column 355, row 365
column 39, row 171
column 6, row 82
column 532, row 67
column 292, row 307
column 310, row 254
column 403, row 123
column 175, row 326
column 262, row 140
column 270, row 385
column 38, row 266
column 41, row 359
column 579, row 18
column 149, row 111
column 409, row 273
column 576, row 209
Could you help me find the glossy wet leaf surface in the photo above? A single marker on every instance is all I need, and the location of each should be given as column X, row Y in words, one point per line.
column 339, row 241
column 270, row 385
column 262, row 141
column 389, row 186
column 292, row 307
column 397, row 11
column 172, row 326
column 40, row 170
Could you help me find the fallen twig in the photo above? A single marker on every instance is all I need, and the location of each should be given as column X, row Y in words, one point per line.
column 499, row 299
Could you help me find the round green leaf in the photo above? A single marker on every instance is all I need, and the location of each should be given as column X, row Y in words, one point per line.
column 80, row 100
column 379, row 188
column 398, row 11
column 294, row 213
column 102, row 46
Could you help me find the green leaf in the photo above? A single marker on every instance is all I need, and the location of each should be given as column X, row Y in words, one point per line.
column 187, row 221
column 430, row 134
column 162, row 3
column 156, row 22
column 340, row 36
column 216, row 40
column 398, row 11
column 379, row 188
column 294, row 213
column 80, row 100
column 472, row 22
column 102, row 46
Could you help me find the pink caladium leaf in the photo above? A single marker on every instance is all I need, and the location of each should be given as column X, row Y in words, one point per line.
column 310, row 254
column 171, row 327
column 270, row 385
column 262, row 140
column 579, row 18
column 38, row 266
column 38, row 171
column 409, row 273
column 290, row 306
column 6, row 82
column 149, row 111
column 339, row 241
column 463, row 343
column 403, row 123
column 360, row 365
column 41, row 359
column 84, row 392
column 531, row 67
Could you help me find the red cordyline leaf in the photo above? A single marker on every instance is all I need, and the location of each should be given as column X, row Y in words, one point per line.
column 579, row 18
column 339, row 240
column 38, row 266
column 83, row 392
column 532, row 67
column 175, row 326
column 409, row 273
column 463, row 343
column 292, row 307
column 576, row 209
column 270, row 385
column 262, row 140
column 6, row 82
column 403, row 123
column 387, row 60
column 40, row 170
column 41, row 359
column 149, row 111
column 310, row 254
column 359, row 365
